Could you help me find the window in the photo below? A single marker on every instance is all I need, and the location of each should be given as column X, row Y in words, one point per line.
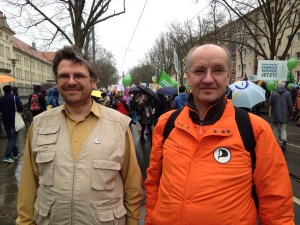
column 298, row 37
column 1, row 50
column 7, row 50
column 298, row 55
column 272, row 10
column 288, row 56
column 288, row 38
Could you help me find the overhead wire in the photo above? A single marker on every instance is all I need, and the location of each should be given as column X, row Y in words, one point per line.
column 127, row 48
column 133, row 34
column 199, row 12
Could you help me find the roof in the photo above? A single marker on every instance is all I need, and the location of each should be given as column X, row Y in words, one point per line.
column 46, row 57
column 4, row 24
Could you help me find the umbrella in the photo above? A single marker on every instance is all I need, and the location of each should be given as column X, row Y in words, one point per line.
column 6, row 79
column 168, row 91
column 290, row 86
column 148, row 91
column 134, row 90
column 46, row 86
column 246, row 94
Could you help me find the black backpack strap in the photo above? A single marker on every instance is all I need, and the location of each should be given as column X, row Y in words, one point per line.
column 246, row 132
column 170, row 123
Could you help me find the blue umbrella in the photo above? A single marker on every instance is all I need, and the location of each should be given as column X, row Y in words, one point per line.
column 168, row 91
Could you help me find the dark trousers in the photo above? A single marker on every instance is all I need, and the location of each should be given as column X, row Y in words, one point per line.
column 12, row 136
column 143, row 131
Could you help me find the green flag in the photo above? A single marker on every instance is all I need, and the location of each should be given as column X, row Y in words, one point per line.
column 166, row 81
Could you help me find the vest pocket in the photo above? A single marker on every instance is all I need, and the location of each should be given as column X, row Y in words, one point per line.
column 109, row 213
column 47, row 135
column 45, row 161
column 43, row 210
column 104, row 174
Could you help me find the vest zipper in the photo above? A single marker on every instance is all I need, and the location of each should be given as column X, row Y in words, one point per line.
column 72, row 201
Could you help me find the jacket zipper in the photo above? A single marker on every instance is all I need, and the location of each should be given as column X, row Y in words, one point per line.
column 201, row 128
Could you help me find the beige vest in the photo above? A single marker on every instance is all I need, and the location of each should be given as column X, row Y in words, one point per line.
column 88, row 190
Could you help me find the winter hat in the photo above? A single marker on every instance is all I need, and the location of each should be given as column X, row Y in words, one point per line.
column 281, row 84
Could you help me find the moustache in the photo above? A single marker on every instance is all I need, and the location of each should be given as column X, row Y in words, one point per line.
column 71, row 88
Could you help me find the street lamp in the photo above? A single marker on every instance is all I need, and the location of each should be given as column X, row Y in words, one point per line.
column 13, row 63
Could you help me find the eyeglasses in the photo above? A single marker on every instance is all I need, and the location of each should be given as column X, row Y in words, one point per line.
column 67, row 77
column 213, row 72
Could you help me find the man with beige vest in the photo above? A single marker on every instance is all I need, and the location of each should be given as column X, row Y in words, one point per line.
column 79, row 163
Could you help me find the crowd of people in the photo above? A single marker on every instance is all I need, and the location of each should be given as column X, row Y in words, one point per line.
column 80, row 165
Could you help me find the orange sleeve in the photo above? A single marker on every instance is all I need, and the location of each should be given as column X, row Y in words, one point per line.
column 271, row 178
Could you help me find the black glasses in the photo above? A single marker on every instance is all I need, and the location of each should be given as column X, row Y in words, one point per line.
column 67, row 77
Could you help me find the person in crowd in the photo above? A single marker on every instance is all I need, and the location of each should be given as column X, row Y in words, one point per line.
column 160, row 107
column 294, row 93
column 133, row 108
column 15, row 91
column 37, row 101
column 79, row 163
column 297, row 107
column 53, row 98
column 281, row 105
column 9, row 103
column 180, row 99
column 120, row 105
column 145, row 117
column 201, row 173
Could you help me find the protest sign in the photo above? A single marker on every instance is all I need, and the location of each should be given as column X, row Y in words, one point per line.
column 272, row 70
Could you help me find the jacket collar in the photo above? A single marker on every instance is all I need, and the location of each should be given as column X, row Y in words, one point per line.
column 213, row 113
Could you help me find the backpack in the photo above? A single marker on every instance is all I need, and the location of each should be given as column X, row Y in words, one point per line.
column 34, row 103
column 244, row 125
column 120, row 106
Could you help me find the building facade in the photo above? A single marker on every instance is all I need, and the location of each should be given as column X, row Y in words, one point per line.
column 28, row 65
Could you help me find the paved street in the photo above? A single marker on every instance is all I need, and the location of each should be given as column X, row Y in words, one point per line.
column 10, row 173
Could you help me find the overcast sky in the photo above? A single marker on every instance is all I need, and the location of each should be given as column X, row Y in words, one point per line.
column 115, row 34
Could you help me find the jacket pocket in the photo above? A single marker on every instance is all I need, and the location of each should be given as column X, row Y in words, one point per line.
column 104, row 174
column 112, row 212
column 45, row 162
column 43, row 210
column 47, row 136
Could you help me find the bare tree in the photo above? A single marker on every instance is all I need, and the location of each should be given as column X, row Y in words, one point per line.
column 142, row 73
column 182, row 38
column 266, row 23
column 105, row 64
column 59, row 20
column 160, row 56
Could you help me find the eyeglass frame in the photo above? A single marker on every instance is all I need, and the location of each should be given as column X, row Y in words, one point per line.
column 76, row 77
column 214, row 72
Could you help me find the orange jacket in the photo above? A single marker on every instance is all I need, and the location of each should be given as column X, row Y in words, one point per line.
column 203, row 175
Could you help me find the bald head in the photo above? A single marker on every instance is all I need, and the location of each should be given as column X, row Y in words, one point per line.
column 203, row 49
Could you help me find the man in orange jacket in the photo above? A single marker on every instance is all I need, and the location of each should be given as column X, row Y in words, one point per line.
column 202, row 173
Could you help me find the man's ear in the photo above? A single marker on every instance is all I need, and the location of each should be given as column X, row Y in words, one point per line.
column 230, row 72
column 188, row 77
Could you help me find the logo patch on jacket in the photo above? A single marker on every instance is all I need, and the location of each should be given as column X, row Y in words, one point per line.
column 222, row 155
